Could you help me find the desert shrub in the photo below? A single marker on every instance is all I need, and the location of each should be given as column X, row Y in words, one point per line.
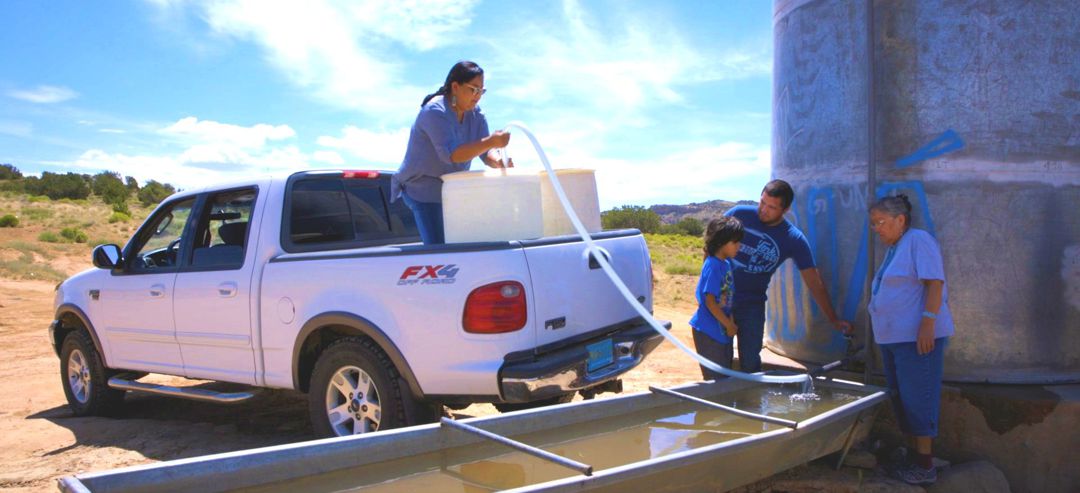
column 57, row 186
column 33, row 199
column 74, row 234
column 49, row 237
column 122, row 208
column 119, row 217
column 631, row 216
column 9, row 172
column 111, row 188
column 9, row 221
column 154, row 192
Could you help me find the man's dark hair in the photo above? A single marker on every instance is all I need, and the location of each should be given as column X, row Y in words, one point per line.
column 721, row 231
column 782, row 190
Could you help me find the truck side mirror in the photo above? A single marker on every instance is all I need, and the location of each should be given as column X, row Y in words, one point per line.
column 106, row 256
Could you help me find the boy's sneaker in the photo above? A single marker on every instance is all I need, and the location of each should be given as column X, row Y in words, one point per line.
column 913, row 474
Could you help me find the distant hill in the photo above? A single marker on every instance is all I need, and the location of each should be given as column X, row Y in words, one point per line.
column 703, row 211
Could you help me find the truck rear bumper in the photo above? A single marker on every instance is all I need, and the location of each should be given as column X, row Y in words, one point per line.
column 567, row 369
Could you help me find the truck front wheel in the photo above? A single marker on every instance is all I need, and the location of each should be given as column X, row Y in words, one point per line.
column 85, row 379
column 354, row 389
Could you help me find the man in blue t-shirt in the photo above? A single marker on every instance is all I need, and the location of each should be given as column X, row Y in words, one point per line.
column 769, row 240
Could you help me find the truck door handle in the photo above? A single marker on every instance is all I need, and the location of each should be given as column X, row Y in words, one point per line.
column 227, row 289
column 593, row 263
column 157, row 291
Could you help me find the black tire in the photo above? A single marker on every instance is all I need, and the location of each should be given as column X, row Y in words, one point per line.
column 505, row 407
column 85, row 378
column 381, row 406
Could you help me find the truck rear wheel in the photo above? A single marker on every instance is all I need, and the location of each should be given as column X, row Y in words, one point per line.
column 354, row 389
column 85, row 379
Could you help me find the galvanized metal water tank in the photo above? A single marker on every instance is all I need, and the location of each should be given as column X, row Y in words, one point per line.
column 977, row 120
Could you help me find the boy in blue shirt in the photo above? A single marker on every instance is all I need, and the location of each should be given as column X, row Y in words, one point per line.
column 714, row 328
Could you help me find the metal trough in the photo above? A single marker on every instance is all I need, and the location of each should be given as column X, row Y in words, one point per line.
column 665, row 440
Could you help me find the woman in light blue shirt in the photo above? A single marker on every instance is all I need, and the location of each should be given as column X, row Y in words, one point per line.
column 912, row 325
column 449, row 132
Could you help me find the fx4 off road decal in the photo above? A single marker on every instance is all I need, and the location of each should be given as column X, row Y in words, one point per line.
column 428, row 274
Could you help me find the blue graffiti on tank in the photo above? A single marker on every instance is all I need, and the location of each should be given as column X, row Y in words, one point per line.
column 822, row 199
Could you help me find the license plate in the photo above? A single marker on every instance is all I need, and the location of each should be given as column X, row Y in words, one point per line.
column 601, row 354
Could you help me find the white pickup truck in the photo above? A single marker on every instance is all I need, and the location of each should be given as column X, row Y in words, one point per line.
column 314, row 281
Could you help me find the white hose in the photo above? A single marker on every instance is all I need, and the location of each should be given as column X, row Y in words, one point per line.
column 602, row 260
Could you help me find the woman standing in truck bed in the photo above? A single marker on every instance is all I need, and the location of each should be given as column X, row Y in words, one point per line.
column 449, row 132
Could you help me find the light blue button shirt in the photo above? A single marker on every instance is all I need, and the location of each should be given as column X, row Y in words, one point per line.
column 899, row 298
column 433, row 138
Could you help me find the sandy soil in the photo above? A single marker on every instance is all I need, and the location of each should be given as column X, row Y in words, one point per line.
column 40, row 439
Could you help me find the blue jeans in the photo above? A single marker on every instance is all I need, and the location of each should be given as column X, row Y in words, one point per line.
column 714, row 351
column 916, row 384
column 750, row 317
column 429, row 219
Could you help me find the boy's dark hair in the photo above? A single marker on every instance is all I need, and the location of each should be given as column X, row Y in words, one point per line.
column 782, row 190
column 721, row 231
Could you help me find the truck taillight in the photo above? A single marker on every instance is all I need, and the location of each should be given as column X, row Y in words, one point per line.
column 495, row 308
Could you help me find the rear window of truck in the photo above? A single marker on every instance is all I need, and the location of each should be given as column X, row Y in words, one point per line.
column 328, row 212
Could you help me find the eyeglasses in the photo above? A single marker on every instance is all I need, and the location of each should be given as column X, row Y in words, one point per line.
column 878, row 223
column 477, row 91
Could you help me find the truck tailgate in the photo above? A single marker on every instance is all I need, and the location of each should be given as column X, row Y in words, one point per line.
column 573, row 296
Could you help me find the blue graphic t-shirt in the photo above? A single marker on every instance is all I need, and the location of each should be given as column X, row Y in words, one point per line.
column 717, row 280
column 762, row 251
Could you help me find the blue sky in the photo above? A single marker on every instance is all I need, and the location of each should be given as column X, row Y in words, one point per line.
column 668, row 101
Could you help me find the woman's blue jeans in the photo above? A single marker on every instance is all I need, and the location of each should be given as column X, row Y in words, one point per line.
column 429, row 219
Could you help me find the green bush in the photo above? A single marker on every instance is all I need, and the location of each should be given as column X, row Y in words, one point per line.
column 110, row 187
column 49, row 237
column 9, row 221
column 122, row 207
column 57, row 186
column 154, row 192
column 631, row 216
column 37, row 198
column 119, row 217
column 9, row 172
column 74, row 234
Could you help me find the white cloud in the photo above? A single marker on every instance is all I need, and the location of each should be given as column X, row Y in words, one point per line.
column 208, row 152
column 191, row 128
column 372, row 147
column 337, row 49
column 44, row 94
column 701, row 173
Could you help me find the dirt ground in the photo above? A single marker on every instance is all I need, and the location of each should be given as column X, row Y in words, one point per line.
column 40, row 439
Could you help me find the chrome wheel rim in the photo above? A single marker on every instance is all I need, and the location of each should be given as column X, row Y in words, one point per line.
column 78, row 375
column 352, row 402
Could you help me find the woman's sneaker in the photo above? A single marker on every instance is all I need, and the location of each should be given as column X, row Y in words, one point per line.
column 914, row 474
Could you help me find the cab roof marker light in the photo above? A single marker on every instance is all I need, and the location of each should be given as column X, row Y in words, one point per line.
column 360, row 174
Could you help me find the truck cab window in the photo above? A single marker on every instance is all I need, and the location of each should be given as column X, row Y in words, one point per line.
column 156, row 247
column 320, row 213
column 222, row 232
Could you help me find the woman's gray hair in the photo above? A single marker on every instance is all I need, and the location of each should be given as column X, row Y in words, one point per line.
column 894, row 205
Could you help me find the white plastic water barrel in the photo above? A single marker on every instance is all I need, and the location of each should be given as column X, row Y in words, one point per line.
column 491, row 206
column 580, row 187
column 515, row 204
